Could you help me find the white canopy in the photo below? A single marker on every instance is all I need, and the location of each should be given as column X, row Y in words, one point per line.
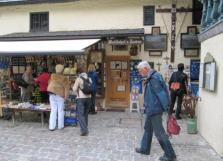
column 51, row 47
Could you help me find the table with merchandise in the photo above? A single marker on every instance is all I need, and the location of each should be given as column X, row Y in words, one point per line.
column 22, row 107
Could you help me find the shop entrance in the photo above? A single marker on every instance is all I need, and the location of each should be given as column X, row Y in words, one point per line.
column 117, row 89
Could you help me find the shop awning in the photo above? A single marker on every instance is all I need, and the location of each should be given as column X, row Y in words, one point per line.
column 47, row 47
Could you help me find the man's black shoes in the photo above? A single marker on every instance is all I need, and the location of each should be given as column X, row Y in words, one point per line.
column 138, row 150
column 165, row 158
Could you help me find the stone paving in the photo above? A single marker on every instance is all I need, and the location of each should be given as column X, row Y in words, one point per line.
column 113, row 137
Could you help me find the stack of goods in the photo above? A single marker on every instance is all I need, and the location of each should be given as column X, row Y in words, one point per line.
column 70, row 117
column 135, row 77
column 37, row 95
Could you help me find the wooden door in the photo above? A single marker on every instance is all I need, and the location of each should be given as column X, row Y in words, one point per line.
column 117, row 89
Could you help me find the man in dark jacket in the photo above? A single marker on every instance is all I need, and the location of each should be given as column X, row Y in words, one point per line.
column 180, row 78
column 156, row 100
column 94, row 77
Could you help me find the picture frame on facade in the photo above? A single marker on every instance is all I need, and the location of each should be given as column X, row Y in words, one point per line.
column 155, row 30
column 192, row 30
column 112, row 65
column 15, row 69
column 189, row 41
column 155, row 42
column 118, row 65
column 155, row 53
column 22, row 69
column 191, row 52
column 207, row 77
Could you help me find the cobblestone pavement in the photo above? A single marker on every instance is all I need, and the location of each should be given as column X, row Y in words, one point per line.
column 113, row 137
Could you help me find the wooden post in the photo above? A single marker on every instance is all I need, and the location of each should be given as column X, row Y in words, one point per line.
column 173, row 30
column 173, row 11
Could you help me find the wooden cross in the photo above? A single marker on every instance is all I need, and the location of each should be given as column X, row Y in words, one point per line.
column 159, row 64
column 166, row 58
column 173, row 11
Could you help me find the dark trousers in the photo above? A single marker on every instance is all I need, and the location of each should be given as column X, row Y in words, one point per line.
column 154, row 123
column 44, row 96
column 173, row 96
column 83, row 105
column 92, row 107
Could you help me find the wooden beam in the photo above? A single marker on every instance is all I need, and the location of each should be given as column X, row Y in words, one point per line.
column 166, row 10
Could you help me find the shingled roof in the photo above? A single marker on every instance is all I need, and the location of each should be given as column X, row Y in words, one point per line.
column 66, row 35
column 27, row 2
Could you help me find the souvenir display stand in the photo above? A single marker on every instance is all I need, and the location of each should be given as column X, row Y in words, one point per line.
column 134, row 99
column 194, row 76
column 70, row 116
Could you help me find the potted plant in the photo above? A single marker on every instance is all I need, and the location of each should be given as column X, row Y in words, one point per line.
column 190, row 103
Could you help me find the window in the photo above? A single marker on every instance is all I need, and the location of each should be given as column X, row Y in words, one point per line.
column 39, row 21
column 197, row 12
column 148, row 15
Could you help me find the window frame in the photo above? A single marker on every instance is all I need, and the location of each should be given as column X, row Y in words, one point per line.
column 40, row 29
column 144, row 16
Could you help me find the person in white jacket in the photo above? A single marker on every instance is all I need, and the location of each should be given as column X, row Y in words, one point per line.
column 83, row 102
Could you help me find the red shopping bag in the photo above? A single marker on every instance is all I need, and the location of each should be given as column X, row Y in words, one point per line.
column 172, row 126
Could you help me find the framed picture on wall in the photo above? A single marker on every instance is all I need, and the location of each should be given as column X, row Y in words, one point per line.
column 192, row 30
column 155, row 30
column 191, row 52
column 155, row 53
column 189, row 41
column 155, row 42
column 207, row 75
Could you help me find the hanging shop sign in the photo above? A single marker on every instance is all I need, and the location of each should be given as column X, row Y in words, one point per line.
column 125, row 41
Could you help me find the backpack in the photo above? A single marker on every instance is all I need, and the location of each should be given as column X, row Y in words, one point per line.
column 20, row 82
column 87, row 86
column 175, row 85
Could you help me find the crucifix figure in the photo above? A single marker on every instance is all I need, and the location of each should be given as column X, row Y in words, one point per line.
column 158, row 64
column 173, row 11
column 166, row 58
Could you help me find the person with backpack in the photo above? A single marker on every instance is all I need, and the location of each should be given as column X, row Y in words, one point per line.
column 156, row 101
column 178, row 87
column 83, row 88
column 94, row 77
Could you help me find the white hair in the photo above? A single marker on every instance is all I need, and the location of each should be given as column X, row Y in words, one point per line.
column 143, row 64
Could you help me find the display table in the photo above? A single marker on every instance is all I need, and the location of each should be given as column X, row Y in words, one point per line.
column 15, row 109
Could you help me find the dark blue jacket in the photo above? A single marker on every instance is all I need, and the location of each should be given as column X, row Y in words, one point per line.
column 156, row 96
column 94, row 77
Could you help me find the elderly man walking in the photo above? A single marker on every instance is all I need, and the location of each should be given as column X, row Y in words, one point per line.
column 156, row 100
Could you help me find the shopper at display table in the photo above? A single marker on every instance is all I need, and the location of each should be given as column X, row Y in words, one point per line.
column 42, row 80
column 26, row 93
column 59, row 90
